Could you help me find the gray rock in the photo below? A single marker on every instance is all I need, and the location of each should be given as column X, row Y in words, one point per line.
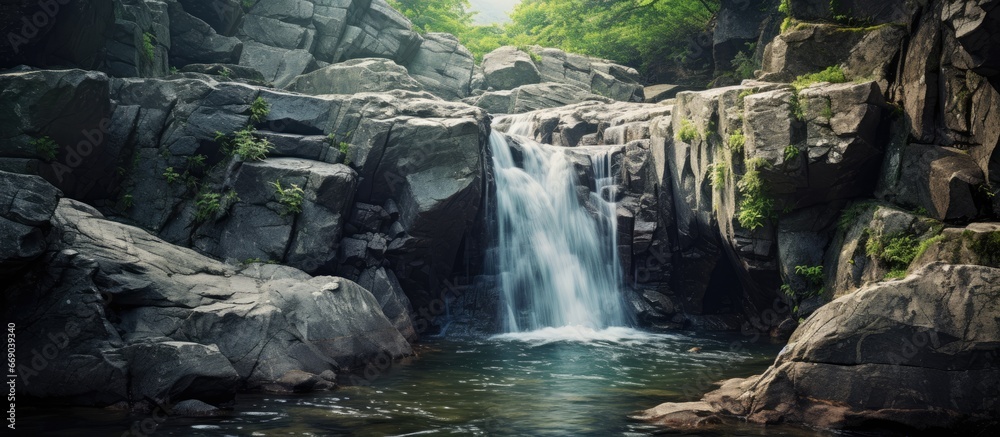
column 195, row 42
column 529, row 98
column 172, row 371
column 356, row 76
column 172, row 305
column 383, row 285
column 28, row 203
column 594, row 75
column 223, row 15
column 194, row 408
column 228, row 72
column 279, row 66
column 941, row 180
column 811, row 48
column 443, row 66
column 508, row 67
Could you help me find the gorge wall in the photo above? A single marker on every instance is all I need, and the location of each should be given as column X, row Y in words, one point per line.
column 283, row 193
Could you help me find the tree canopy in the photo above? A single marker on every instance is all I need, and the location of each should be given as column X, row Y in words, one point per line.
column 638, row 33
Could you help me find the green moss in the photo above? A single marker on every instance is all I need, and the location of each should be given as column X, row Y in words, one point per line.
column 833, row 74
column 987, row 247
column 849, row 215
column 688, row 132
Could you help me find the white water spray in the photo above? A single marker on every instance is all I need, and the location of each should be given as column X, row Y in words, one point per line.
column 558, row 264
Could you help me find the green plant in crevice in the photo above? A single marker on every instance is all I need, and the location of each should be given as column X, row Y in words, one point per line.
column 719, row 172
column 291, row 197
column 195, row 162
column 128, row 201
column 246, row 144
column 688, row 132
column 46, row 148
column 147, row 45
column 170, row 175
column 849, row 215
column 791, row 152
column 828, row 110
column 259, row 110
column 227, row 74
column 813, row 276
column 535, row 57
column 207, row 206
column 755, row 207
column 745, row 63
column 736, row 141
column 895, row 251
column 174, row 70
column 798, row 106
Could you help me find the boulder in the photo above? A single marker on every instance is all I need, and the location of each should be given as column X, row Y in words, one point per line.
column 508, row 67
column 598, row 76
column 215, row 328
column 224, row 16
column 72, row 147
column 227, row 73
column 810, row 48
column 278, row 66
column 443, row 66
column 533, row 97
column 26, row 206
column 263, row 225
column 356, row 76
column 173, row 371
column 940, row 180
column 896, row 367
column 195, row 42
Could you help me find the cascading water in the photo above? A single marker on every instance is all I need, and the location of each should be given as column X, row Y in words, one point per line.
column 558, row 264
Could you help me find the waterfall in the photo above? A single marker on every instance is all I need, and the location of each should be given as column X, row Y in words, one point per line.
column 558, row 264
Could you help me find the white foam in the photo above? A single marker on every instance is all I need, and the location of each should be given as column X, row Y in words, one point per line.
column 581, row 334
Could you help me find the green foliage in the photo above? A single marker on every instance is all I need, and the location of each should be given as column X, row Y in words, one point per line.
column 535, row 57
column 755, row 207
column 128, row 201
column 896, row 251
column 833, row 74
column 828, row 110
column 451, row 16
column 343, row 146
column 290, row 197
column 988, row 248
column 207, row 205
column 798, row 107
column 171, row 175
column 227, row 74
column 196, row 161
column 791, row 152
column 744, row 62
column 737, row 141
column 46, row 148
column 688, row 132
column 850, row 215
column 247, row 4
column 259, row 109
column 785, row 7
column 147, row 45
column 719, row 173
column 246, row 144
column 174, row 70
column 812, row 274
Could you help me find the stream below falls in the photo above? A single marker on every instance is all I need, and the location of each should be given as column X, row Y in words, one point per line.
column 555, row 381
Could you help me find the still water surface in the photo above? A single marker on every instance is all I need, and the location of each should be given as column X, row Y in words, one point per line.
column 556, row 381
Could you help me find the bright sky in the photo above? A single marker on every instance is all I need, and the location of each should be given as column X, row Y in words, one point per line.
column 492, row 11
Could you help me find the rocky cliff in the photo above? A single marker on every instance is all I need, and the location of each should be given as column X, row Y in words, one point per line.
column 279, row 193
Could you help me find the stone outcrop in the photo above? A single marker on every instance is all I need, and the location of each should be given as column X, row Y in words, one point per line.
column 527, row 98
column 356, row 76
column 116, row 319
column 897, row 352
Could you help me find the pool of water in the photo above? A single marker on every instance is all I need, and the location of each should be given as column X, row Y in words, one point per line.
column 558, row 382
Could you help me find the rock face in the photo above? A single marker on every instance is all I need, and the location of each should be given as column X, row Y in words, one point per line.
column 527, row 98
column 222, row 329
column 355, row 76
column 508, row 67
column 443, row 66
column 897, row 351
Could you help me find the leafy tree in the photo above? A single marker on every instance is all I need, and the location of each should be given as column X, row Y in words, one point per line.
column 450, row 16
